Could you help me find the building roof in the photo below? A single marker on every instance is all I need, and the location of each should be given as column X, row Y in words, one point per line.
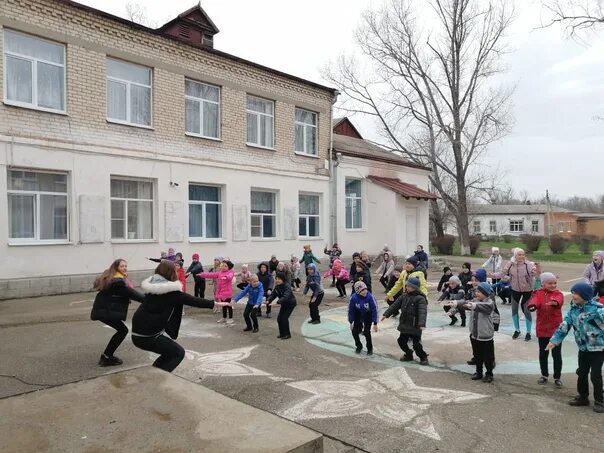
column 202, row 48
column 513, row 209
column 350, row 146
column 402, row 188
column 343, row 126
column 589, row 216
column 205, row 22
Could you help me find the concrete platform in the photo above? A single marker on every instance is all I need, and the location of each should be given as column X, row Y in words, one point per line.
column 148, row 410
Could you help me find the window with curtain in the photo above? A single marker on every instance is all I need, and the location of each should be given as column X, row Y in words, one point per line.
column 308, row 217
column 128, row 93
column 263, row 214
column 477, row 226
column 202, row 109
column 354, row 202
column 34, row 75
column 260, row 122
column 131, row 209
column 205, row 212
column 306, row 132
column 37, row 206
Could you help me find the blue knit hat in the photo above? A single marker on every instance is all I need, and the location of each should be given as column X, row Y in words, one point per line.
column 583, row 290
column 485, row 288
column 413, row 282
column 480, row 275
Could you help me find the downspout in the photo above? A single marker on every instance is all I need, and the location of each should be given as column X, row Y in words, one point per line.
column 333, row 180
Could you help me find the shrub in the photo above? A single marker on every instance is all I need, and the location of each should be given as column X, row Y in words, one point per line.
column 474, row 244
column 531, row 243
column 557, row 244
column 584, row 242
column 507, row 238
column 444, row 244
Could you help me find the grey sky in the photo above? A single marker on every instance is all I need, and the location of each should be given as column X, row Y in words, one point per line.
column 556, row 142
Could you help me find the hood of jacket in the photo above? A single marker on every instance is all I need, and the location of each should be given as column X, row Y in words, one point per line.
column 313, row 266
column 156, row 284
column 264, row 263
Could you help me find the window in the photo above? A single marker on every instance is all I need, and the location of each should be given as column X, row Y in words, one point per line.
column 564, row 227
column 535, row 226
column 128, row 93
column 516, row 226
column 202, row 109
column 308, row 220
column 306, row 132
column 37, row 206
column 260, row 122
column 264, row 215
column 476, row 226
column 131, row 209
column 205, row 212
column 353, row 204
column 34, row 72
column 492, row 226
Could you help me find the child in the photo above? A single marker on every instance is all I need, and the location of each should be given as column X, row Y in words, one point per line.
column 196, row 268
column 285, row 297
column 362, row 275
column 255, row 295
column 356, row 258
column 339, row 272
column 385, row 270
column 295, row 262
column 362, row 312
column 243, row 277
column 181, row 274
column 308, row 258
column 465, row 275
column 365, row 258
column 266, row 279
column 285, row 269
column 313, row 283
column 548, row 302
column 493, row 264
column 585, row 317
column 454, row 292
column 414, row 311
column 180, row 259
column 482, row 330
column 272, row 264
column 333, row 253
column 503, row 289
column 444, row 280
column 215, row 268
column 411, row 269
column 396, row 273
column 223, row 288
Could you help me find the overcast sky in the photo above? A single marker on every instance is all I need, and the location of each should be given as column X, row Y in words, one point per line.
column 556, row 142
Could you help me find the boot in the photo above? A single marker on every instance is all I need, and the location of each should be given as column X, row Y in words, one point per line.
column 453, row 320
column 407, row 357
column 579, row 401
column 599, row 407
column 109, row 361
column 463, row 323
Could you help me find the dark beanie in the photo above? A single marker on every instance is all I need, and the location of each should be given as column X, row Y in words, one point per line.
column 412, row 260
column 485, row 288
column 480, row 275
column 584, row 290
column 280, row 276
column 356, row 255
column 413, row 282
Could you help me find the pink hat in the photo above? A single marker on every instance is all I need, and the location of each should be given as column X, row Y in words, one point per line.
column 196, row 256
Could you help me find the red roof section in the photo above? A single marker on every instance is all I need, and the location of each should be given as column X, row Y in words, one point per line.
column 402, row 188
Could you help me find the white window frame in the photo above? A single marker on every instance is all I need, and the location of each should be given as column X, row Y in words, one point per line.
column 519, row 226
column 262, row 215
column 128, row 84
column 534, row 226
column 248, row 111
column 204, row 204
column 353, row 198
column 305, row 127
column 492, row 226
column 37, row 194
column 34, row 104
column 200, row 101
column 309, row 216
column 125, row 200
column 475, row 223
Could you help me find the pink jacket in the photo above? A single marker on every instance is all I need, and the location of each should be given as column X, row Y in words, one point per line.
column 337, row 269
column 224, row 283
column 522, row 275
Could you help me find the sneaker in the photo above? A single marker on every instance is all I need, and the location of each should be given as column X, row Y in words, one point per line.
column 230, row 322
column 109, row 361
column 488, row 379
column 255, row 331
column 406, row 358
column 579, row 401
column 316, row 322
column 286, row 337
column 558, row 383
column 599, row 407
column 358, row 350
column 516, row 335
column 247, row 329
column 472, row 361
column 527, row 337
column 279, row 336
column 542, row 380
column 369, row 351
column 424, row 362
column 476, row 377
column 221, row 321
column 310, row 321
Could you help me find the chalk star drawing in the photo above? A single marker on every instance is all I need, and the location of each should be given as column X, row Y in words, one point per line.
column 391, row 396
column 225, row 363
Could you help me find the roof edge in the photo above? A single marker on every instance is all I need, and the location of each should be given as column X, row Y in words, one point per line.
column 383, row 159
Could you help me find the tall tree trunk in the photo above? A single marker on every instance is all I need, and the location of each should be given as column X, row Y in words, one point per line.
column 437, row 219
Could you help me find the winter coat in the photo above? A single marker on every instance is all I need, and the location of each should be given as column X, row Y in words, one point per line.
column 481, row 322
column 587, row 320
column 224, row 283
column 243, row 277
column 465, row 278
column 255, row 295
column 296, row 270
column 195, row 268
column 272, row 266
column 548, row 316
column 493, row 264
column 593, row 274
column 313, row 281
column 422, row 257
column 288, row 274
column 111, row 304
column 360, row 306
column 182, row 278
column 457, row 293
column 308, row 258
column 266, row 279
column 442, row 284
column 332, row 253
column 391, row 283
column 162, row 308
column 402, row 281
column 364, row 277
column 414, row 312
column 522, row 275
column 285, row 295
column 386, row 268
column 338, row 271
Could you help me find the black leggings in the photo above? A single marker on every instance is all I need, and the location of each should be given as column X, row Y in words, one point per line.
column 297, row 281
column 241, row 286
column 283, row 320
column 117, row 338
column 544, row 355
column 200, row 288
column 250, row 315
column 314, row 307
column 341, row 287
column 402, row 341
column 227, row 310
column 384, row 281
column 362, row 325
column 170, row 352
column 590, row 360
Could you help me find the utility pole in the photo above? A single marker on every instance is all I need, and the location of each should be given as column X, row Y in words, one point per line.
column 549, row 214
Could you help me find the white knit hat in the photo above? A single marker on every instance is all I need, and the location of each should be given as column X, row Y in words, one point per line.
column 546, row 277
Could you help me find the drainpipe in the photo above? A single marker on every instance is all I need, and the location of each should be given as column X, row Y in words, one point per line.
column 333, row 180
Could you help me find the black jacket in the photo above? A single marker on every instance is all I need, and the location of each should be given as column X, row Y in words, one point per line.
column 442, row 284
column 111, row 304
column 195, row 268
column 465, row 280
column 414, row 312
column 162, row 308
column 272, row 266
column 285, row 295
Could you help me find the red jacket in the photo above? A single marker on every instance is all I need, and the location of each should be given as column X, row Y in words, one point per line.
column 182, row 276
column 548, row 317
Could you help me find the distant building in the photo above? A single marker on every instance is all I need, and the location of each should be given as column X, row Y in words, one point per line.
column 591, row 224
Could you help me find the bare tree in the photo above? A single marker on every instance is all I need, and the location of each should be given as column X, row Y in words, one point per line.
column 576, row 15
column 137, row 12
column 431, row 90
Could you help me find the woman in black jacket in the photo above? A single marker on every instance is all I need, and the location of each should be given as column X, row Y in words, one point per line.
column 111, row 306
column 161, row 312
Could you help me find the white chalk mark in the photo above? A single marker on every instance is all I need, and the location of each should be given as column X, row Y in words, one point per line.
column 77, row 302
column 573, row 280
column 226, row 363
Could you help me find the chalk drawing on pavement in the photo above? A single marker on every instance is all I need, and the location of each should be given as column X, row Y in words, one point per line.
column 225, row 363
column 391, row 396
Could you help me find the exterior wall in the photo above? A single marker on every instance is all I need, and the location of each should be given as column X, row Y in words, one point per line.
column 503, row 224
column 593, row 227
column 562, row 223
column 384, row 212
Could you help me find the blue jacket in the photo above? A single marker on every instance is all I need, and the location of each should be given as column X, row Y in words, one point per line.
column 501, row 285
column 359, row 306
column 313, row 281
column 588, row 323
column 255, row 294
